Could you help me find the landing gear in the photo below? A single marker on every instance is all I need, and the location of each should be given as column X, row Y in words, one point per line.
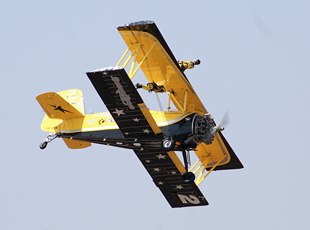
column 187, row 177
column 43, row 145
column 48, row 139
column 168, row 144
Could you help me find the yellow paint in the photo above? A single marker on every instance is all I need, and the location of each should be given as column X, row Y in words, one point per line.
column 104, row 121
column 67, row 104
column 122, row 58
column 158, row 67
column 177, row 161
column 149, row 118
column 200, row 178
column 74, row 144
column 213, row 153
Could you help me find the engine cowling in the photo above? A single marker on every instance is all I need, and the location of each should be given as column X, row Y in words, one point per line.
column 203, row 129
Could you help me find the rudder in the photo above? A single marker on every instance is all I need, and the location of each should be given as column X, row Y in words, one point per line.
column 67, row 104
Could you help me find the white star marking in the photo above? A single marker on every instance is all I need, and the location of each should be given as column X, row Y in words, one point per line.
column 126, row 133
column 179, row 187
column 136, row 119
column 148, row 161
column 119, row 112
column 160, row 183
column 161, row 156
column 173, row 172
column 156, row 169
column 146, row 131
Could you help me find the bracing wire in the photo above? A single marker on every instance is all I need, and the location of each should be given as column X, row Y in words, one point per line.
column 159, row 103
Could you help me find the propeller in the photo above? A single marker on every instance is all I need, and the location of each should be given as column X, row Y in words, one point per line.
column 205, row 126
column 224, row 122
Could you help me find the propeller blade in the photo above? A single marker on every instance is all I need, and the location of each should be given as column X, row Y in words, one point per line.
column 224, row 122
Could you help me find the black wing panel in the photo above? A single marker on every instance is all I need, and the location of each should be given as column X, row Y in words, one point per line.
column 167, row 178
column 135, row 122
column 123, row 101
column 234, row 162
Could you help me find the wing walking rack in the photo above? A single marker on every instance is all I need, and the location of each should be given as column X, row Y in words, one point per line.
column 154, row 136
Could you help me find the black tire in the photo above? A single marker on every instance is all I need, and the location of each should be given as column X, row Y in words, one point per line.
column 188, row 177
column 168, row 144
column 43, row 145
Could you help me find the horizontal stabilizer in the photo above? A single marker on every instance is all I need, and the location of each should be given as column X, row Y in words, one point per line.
column 74, row 144
column 67, row 104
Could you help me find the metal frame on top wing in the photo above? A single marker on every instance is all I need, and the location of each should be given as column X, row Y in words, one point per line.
column 134, row 70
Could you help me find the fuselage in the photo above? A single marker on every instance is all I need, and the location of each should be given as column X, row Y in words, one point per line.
column 102, row 129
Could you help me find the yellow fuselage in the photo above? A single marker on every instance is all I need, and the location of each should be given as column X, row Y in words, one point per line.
column 103, row 121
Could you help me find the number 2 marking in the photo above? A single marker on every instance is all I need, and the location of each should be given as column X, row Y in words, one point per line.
column 189, row 199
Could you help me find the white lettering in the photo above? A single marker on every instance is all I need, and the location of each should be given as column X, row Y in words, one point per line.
column 189, row 199
column 109, row 119
column 126, row 100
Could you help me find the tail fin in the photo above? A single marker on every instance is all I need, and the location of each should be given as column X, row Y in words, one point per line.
column 61, row 106
column 67, row 104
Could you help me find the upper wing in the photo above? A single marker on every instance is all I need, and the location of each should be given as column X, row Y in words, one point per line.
column 160, row 66
column 124, row 102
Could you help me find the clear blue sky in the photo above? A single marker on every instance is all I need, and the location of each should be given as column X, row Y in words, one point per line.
column 255, row 63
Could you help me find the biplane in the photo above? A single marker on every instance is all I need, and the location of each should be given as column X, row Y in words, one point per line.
column 154, row 136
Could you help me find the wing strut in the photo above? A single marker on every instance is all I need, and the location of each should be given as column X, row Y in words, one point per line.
column 134, row 54
column 202, row 172
column 177, row 104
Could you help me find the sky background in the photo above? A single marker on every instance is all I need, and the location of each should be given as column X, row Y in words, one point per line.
column 254, row 63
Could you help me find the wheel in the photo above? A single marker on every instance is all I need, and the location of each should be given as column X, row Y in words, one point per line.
column 167, row 144
column 43, row 145
column 188, row 177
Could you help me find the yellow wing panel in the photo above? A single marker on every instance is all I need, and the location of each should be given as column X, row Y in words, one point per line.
column 211, row 154
column 149, row 118
column 160, row 66
column 218, row 154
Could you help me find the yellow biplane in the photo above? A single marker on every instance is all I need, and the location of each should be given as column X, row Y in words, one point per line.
column 154, row 136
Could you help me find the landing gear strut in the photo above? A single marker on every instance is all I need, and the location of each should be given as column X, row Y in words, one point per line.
column 187, row 177
column 168, row 144
column 48, row 139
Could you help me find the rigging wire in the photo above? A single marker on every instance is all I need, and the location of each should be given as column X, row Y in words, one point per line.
column 159, row 103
